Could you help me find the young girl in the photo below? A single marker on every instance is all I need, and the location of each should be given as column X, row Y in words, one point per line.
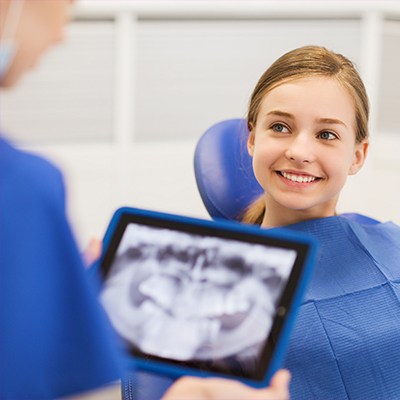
column 307, row 120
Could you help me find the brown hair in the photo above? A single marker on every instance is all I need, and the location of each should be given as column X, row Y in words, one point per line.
column 300, row 63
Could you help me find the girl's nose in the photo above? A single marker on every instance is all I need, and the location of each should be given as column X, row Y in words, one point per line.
column 300, row 149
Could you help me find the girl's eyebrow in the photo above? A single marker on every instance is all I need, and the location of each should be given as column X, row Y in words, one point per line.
column 281, row 114
column 332, row 121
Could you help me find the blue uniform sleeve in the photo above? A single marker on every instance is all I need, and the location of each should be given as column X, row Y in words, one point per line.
column 55, row 339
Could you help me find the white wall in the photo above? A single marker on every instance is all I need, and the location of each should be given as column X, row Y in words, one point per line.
column 122, row 103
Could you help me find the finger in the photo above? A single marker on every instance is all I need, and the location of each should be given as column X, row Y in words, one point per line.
column 92, row 252
column 280, row 383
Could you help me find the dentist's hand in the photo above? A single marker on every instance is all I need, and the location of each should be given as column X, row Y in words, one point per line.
column 189, row 388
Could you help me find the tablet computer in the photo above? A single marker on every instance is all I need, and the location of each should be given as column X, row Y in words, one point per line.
column 200, row 297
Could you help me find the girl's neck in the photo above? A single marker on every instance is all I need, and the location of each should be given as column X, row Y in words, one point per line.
column 276, row 216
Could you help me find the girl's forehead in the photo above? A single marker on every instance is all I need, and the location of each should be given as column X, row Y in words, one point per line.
column 323, row 96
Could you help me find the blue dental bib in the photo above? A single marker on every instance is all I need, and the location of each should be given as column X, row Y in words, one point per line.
column 346, row 340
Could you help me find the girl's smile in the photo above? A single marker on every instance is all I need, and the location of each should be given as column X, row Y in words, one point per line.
column 297, row 179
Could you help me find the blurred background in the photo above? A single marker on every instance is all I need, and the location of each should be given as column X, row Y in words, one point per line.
column 120, row 105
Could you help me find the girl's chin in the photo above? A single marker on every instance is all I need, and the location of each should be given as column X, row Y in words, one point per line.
column 303, row 207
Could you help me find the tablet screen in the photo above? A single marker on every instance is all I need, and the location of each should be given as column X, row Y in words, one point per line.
column 203, row 298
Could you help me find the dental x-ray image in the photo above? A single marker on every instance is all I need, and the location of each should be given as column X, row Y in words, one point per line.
column 187, row 297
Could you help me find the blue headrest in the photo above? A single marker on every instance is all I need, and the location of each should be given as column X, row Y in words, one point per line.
column 223, row 170
column 224, row 174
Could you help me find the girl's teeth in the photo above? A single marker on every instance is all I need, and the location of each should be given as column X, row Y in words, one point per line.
column 298, row 178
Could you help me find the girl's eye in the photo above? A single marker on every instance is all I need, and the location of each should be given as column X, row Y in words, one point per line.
column 279, row 128
column 327, row 135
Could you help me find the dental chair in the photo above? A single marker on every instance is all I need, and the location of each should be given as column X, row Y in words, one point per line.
column 224, row 175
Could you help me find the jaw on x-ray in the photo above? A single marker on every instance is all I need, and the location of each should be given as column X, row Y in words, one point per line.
column 184, row 297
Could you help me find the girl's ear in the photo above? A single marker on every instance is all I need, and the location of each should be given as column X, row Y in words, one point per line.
column 250, row 143
column 360, row 154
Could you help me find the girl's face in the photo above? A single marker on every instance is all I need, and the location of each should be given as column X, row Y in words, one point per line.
column 303, row 147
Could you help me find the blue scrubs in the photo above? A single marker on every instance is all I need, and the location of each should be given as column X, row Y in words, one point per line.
column 54, row 337
column 346, row 340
